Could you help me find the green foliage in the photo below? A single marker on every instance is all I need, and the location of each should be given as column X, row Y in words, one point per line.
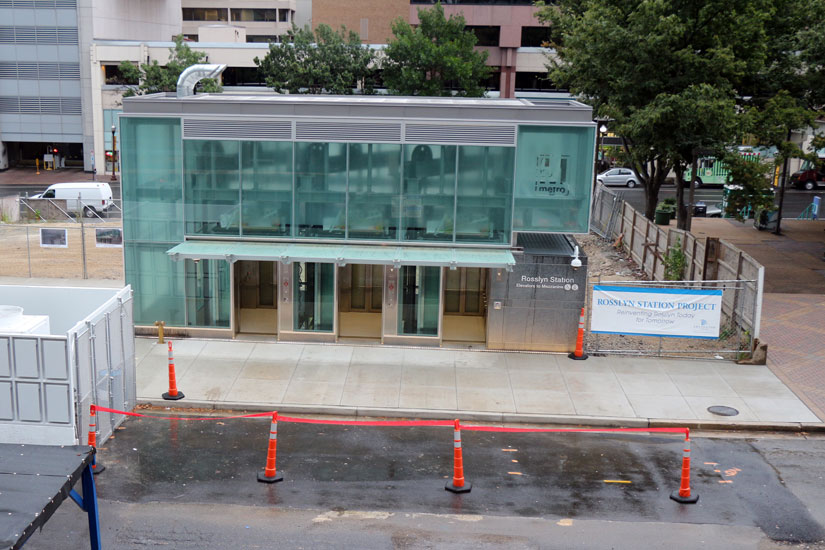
column 326, row 61
column 434, row 57
column 675, row 262
column 154, row 77
column 751, row 189
column 675, row 77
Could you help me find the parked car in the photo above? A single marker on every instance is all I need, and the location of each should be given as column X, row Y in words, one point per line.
column 89, row 198
column 810, row 176
column 619, row 176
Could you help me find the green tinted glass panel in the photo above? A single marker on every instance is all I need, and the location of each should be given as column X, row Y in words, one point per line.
column 266, row 194
column 157, row 283
column 428, row 201
column 211, row 187
column 485, row 194
column 554, row 177
column 320, row 189
column 150, row 151
column 207, row 293
column 314, row 299
column 419, row 291
column 374, row 190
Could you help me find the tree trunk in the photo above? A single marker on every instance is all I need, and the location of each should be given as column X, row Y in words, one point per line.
column 681, row 207
column 656, row 176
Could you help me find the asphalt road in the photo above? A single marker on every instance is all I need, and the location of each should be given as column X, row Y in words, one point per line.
column 192, row 484
column 794, row 203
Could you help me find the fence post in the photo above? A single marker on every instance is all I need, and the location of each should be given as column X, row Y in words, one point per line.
column 82, row 241
column 28, row 251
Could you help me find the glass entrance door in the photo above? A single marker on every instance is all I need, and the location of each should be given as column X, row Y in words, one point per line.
column 419, row 300
column 314, row 299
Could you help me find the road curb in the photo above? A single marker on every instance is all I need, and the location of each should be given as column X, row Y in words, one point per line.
column 493, row 417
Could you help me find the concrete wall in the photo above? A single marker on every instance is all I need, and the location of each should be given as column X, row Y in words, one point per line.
column 537, row 305
column 114, row 20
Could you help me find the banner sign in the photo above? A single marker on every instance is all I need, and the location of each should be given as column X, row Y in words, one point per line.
column 675, row 312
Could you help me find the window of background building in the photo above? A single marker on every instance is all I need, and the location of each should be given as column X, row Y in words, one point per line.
column 283, row 16
column 190, row 37
column 493, row 81
column 113, row 75
column 242, row 76
column 205, row 14
column 534, row 37
column 534, row 82
column 254, row 15
column 486, row 35
column 264, row 38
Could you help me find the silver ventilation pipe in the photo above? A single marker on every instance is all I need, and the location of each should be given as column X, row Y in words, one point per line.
column 193, row 74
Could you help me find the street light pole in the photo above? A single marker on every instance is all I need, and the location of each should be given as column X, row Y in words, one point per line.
column 114, row 154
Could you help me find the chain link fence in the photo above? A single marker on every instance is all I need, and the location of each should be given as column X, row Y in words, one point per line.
column 62, row 250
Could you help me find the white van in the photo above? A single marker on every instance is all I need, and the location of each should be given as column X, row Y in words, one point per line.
column 95, row 197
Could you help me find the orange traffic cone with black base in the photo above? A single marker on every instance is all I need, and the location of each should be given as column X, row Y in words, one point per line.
column 579, row 354
column 96, row 466
column 173, row 394
column 683, row 495
column 270, row 474
column 458, row 484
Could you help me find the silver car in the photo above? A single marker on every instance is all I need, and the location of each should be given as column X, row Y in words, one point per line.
column 619, row 176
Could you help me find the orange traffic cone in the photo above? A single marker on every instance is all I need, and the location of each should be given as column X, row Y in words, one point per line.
column 96, row 467
column 458, row 485
column 579, row 354
column 270, row 474
column 173, row 394
column 683, row 494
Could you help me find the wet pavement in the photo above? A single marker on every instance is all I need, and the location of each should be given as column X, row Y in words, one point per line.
column 620, row 477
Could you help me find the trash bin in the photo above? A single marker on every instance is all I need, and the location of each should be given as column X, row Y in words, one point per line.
column 661, row 217
column 700, row 210
column 766, row 219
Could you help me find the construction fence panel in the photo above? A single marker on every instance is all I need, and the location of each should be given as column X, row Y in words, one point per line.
column 734, row 340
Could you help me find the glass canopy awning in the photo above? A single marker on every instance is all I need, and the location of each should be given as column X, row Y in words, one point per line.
column 344, row 254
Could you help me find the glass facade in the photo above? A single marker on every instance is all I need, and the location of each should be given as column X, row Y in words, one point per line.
column 152, row 214
column 554, row 177
column 374, row 191
column 266, row 190
column 484, row 194
column 212, row 187
column 419, row 293
column 379, row 192
column 320, row 189
column 314, row 299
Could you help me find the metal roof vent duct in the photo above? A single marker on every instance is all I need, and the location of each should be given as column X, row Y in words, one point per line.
column 194, row 74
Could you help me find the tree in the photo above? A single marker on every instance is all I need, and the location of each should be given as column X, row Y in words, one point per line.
column 326, row 61
column 435, row 58
column 153, row 77
column 666, row 72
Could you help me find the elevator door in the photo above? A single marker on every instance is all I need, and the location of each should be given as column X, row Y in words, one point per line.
column 465, row 304
column 360, row 300
column 256, row 299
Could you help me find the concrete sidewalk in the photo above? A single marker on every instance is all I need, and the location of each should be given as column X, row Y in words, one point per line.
column 472, row 385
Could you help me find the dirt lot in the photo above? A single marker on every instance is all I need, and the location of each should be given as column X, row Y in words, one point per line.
column 23, row 255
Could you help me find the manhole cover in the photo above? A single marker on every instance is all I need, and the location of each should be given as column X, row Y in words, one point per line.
column 721, row 410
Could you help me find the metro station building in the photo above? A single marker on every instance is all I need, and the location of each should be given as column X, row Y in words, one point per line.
column 396, row 220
